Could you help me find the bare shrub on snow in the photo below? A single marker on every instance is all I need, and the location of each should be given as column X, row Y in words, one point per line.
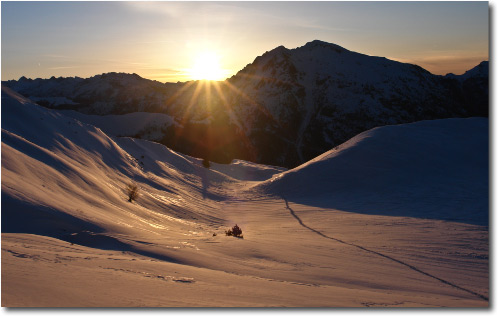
column 132, row 191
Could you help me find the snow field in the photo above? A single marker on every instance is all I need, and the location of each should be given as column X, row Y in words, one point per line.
column 71, row 238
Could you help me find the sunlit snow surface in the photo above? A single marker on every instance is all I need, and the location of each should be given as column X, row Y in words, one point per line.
column 397, row 216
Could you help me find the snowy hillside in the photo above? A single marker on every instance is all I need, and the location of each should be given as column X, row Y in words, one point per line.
column 71, row 238
column 430, row 169
column 150, row 126
column 284, row 108
column 90, row 167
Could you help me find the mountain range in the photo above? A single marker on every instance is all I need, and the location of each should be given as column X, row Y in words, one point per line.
column 285, row 108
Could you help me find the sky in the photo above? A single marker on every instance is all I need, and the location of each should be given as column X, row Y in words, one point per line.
column 166, row 41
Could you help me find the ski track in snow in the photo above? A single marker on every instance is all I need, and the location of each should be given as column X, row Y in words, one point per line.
column 381, row 254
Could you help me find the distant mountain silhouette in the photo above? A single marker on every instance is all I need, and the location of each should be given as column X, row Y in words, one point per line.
column 285, row 108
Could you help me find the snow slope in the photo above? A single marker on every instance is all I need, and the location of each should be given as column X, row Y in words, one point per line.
column 150, row 126
column 430, row 169
column 71, row 238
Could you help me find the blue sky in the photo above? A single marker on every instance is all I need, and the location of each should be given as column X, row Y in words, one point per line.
column 161, row 40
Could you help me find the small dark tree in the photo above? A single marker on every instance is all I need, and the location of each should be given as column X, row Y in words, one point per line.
column 132, row 191
column 205, row 163
column 235, row 231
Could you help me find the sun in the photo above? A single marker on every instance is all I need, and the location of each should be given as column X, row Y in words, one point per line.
column 207, row 67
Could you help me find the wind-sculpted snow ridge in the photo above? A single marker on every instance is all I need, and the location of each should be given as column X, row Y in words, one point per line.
column 430, row 169
column 72, row 175
column 68, row 178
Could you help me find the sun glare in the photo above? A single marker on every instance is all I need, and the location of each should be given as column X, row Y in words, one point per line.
column 207, row 67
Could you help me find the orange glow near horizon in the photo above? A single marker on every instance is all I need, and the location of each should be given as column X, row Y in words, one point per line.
column 172, row 41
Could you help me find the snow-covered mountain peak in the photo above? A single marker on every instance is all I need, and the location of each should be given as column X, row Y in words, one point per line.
column 118, row 76
column 481, row 70
column 278, row 50
column 321, row 44
column 272, row 55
